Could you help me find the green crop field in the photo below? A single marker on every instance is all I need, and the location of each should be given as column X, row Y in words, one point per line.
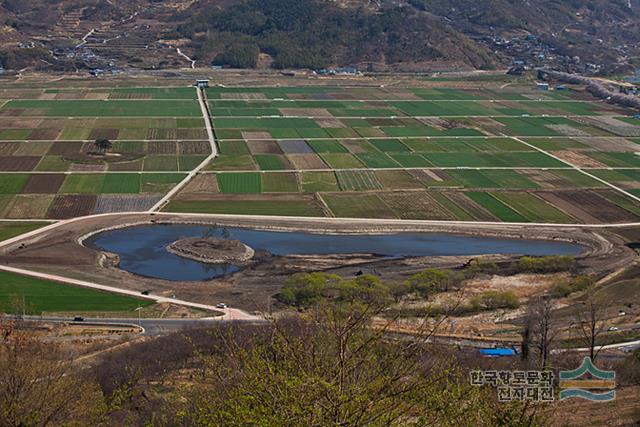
column 279, row 182
column 357, row 205
column 83, row 184
column 269, row 162
column 38, row 296
column 377, row 160
column 9, row 230
column 240, row 182
column 532, row 207
column 318, row 181
column 327, row 146
column 12, row 183
column 121, row 183
column 496, row 207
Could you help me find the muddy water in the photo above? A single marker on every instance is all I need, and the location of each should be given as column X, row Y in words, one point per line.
column 142, row 249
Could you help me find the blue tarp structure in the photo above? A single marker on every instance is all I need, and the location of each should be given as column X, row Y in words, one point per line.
column 498, row 352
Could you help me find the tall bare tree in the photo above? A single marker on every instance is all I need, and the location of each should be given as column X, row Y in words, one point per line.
column 542, row 328
column 591, row 324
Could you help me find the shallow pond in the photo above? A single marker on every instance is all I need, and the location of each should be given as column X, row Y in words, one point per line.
column 142, row 249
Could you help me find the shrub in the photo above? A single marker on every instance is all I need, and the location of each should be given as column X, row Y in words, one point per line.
column 432, row 281
column 304, row 290
column 576, row 284
column 546, row 264
column 493, row 300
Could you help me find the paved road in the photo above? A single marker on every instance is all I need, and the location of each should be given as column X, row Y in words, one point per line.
column 151, row 327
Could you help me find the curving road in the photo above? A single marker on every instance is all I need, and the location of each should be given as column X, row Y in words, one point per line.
column 229, row 314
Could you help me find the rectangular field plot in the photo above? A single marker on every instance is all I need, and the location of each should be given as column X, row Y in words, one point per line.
column 125, row 203
column 233, row 148
column 327, row 146
column 341, row 161
column 121, row 183
column 492, row 178
column 273, row 204
column 397, row 180
column 355, row 205
column 29, row 206
column 12, row 183
column 240, row 182
column 533, row 208
column 71, row 206
column 416, row 205
column 280, row 182
column 312, row 182
column 356, row 180
column 83, row 184
column 496, row 207
column 159, row 183
column 271, row 162
column 376, row 160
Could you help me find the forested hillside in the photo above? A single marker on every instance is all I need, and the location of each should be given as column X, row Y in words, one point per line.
column 597, row 36
column 316, row 34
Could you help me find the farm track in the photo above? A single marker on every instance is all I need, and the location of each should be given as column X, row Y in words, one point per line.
column 214, row 153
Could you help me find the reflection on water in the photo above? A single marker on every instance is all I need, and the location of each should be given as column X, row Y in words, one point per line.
column 142, row 249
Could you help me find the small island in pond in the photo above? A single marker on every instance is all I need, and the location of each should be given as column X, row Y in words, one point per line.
column 212, row 250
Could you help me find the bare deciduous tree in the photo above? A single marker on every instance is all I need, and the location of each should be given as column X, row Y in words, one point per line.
column 590, row 322
column 38, row 386
column 541, row 328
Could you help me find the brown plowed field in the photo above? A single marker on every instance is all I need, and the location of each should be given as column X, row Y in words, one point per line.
column 64, row 207
column 330, row 123
column 307, row 161
column 579, row 159
column 44, row 134
column 264, row 147
column 65, row 148
column 48, row 183
column 588, row 206
column 104, row 134
column 8, row 148
column 194, row 147
column 19, row 123
column 201, row 184
column 162, row 147
column 256, row 135
column 191, row 134
column 18, row 163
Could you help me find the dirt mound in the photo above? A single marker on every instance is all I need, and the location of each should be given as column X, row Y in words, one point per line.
column 212, row 250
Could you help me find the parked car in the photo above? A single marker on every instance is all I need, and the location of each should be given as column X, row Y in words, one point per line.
column 613, row 328
column 78, row 319
column 222, row 305
column 145, row 292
